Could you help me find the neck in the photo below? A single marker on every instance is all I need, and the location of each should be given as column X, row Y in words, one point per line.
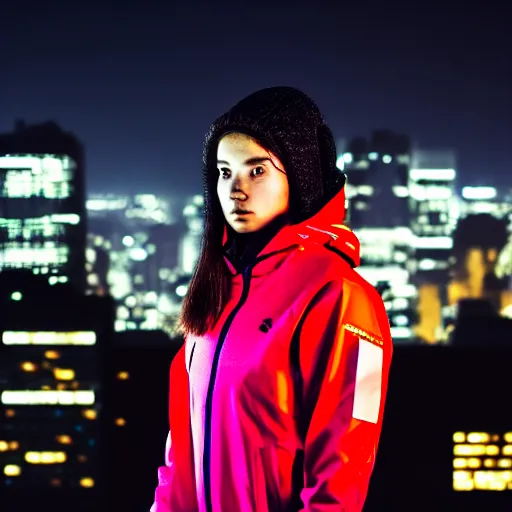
column 243, row 248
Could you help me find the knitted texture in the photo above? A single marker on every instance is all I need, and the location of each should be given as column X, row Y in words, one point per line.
column 287, row 122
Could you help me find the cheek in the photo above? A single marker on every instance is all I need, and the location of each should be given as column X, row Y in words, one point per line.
column 222, row 193
column 280, row 195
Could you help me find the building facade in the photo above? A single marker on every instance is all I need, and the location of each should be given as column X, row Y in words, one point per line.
column 53, row 401
column 43, row 223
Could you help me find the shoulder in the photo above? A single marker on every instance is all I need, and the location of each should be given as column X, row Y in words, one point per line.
column 333, row 266
column 362, row 305
column 324, row 260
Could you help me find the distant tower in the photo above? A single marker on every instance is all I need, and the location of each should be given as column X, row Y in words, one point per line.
column 377, row 170
column 435, row 212
column 53, row 348
column 190, row 246
column 378, row 211
column 434, row 209
column 42, row 203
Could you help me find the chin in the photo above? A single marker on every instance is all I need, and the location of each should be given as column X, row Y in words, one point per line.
column 244, row 227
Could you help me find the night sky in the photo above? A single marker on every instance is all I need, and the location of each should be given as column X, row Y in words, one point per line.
column 140, row 85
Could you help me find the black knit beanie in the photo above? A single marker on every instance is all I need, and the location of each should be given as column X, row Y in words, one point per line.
column 287, row 122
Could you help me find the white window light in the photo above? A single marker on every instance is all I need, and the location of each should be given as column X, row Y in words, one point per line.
column 479, row 193
column 432, row 174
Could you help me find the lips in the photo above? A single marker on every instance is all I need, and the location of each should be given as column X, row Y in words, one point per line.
column 238, row 211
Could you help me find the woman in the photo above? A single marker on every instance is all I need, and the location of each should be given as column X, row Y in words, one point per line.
column 277, row 395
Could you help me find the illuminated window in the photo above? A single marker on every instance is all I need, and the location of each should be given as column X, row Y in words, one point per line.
column 120, row 422
column 48, row 338
column 43, row 397
column 123, row 376
column 28, row 367
column 12, row 470
column 89, row 414
column 45, row 457
column 476, row 462
column 63, row 374
column 64, row 439
column 87, row 482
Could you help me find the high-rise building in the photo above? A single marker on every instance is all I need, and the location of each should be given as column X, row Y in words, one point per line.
column 385, row 252
column 485, row 199
column 132, row 254
column 140, row 364
column 377, row 173
column 53, row 403
column 435, row 212
column 378, row 211
column 42, row 203
column 190, row 245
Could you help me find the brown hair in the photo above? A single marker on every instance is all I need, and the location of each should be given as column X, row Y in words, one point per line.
column 210, row 286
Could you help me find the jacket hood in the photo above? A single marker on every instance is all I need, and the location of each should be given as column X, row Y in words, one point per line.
column 325, row 228
column 287, row 122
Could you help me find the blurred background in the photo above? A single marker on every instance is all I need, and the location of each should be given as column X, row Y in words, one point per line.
column 103, row 110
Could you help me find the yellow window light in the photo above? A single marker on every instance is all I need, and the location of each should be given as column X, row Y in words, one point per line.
column 64, row 374
column 28, row 367
column 12, row 470
column 89, row 414
column 87, row 482
column 52, row 354
column 478, row 437
column 45, row 457
column 507, row 449
column 459, row 437
column 468, row 450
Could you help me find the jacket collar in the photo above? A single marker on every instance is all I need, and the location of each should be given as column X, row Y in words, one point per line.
column 325, row 228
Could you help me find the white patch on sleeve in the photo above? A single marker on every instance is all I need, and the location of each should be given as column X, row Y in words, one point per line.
column 368, row 387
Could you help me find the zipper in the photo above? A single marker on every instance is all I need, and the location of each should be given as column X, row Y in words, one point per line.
column 191, row 356
column 209, row 396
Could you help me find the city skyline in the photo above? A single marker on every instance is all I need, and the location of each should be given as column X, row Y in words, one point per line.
column 102, row 117
column 141, row 87
column 403, row 203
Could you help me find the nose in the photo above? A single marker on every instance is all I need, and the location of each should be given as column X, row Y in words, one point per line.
column 237, row 194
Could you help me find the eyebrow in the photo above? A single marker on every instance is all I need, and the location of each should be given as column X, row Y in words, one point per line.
column 250, row 161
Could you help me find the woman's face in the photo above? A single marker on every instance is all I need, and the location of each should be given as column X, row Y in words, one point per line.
column 252, row 184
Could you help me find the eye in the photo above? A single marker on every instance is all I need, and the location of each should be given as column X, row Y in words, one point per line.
column 257, row 171
column 224, row 173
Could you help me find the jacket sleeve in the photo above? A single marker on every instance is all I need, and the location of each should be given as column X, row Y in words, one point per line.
column 161, row 502
column 176, row 485
column 345, row 354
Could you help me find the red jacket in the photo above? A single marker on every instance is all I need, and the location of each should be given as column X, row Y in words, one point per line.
column 280, row 406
